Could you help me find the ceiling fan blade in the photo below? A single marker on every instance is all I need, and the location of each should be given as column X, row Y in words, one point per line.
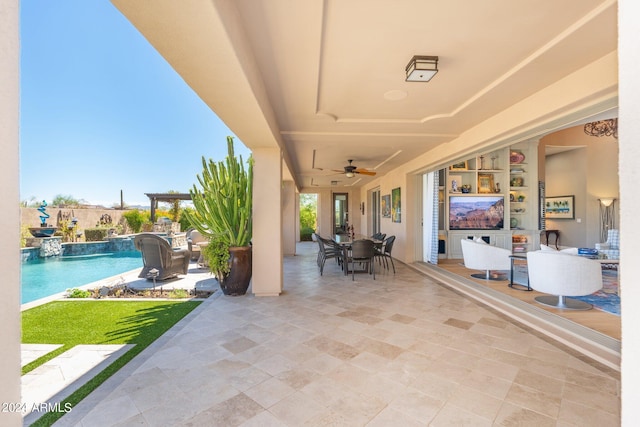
column 365, row 172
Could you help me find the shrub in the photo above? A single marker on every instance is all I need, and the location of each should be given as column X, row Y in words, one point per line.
column 135, row 219
column 179, row 294
column 67, row 229
column 305, row 234
column 185, row 222
column 24, row 235
column 216, row 253
column 95, row 234
column 78, row 293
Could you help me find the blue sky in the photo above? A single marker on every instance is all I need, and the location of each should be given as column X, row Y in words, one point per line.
column 102, row 111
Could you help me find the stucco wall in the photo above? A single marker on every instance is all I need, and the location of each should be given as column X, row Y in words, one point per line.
column 629, row 178
column 325, row 209
column 589, row 173
column 87, row 218
column 290, row 230
column 10, row 190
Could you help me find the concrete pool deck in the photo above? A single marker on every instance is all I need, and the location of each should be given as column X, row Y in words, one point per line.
column 48, row 385
column 196, row 278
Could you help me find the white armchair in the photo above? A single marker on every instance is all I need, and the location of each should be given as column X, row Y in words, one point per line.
column 611, row 248
column 482, row 256
column 563, row 275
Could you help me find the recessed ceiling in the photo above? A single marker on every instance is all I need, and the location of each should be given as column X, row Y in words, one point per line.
column 337, row 80
column 328, row 76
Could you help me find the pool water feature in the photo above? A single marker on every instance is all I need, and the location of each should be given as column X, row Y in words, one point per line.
column 46, row 277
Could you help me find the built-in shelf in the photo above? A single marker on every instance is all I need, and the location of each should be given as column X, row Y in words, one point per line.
column 510, row 172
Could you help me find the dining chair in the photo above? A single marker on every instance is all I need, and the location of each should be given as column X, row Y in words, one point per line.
column 327, row 250
column 362, row 252
column 379, row 236
column 385, row 253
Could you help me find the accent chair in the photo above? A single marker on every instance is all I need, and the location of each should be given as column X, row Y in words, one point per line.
column 562, row 275
column 479, row 255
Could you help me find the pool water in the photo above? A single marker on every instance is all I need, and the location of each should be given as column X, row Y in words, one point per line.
column 47, row 277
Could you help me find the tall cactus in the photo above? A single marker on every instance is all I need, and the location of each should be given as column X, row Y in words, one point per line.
column 223, row 204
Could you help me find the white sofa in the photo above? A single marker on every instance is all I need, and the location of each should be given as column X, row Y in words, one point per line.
column 479, row 255
column 562, row 275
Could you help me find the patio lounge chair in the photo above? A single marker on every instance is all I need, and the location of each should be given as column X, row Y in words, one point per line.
column 158, row 254
column 193, row 238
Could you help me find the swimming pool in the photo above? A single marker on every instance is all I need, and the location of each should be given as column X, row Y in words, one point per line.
column 47, row 277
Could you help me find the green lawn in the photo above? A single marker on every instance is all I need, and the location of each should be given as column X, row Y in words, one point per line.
column 98, row 322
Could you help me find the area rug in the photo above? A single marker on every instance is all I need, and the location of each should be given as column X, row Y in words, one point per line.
column 606, row 299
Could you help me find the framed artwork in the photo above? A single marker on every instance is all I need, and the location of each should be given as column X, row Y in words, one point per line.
column 485, row 183
column 460, row 166
column 385, row 206
column 395, row 205
column 559, row 207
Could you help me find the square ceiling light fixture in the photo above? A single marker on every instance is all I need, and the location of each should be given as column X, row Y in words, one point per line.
column 422, row 68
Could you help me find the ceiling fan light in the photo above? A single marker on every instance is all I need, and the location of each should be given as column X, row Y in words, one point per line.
column 349, row 174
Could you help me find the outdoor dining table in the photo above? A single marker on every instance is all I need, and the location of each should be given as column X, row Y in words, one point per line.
column 345, row 241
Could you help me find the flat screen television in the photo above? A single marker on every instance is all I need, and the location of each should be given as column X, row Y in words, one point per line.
column 476, row 212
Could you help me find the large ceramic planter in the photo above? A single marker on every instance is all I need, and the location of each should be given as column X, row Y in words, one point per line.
column 237, row 282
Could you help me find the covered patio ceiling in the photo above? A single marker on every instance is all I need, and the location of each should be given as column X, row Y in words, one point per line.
column 325, row 79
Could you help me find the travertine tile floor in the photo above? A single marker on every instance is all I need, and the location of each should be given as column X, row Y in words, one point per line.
column 400, row 350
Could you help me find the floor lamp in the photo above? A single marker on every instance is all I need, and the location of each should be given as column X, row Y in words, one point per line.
column 607, row 217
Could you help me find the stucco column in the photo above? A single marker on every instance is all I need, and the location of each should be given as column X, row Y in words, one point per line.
column 9, row 186
column 629, row 160
column 267, row 222
column 289, row 202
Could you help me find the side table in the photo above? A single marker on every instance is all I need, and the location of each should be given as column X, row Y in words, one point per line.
column 555, row 233
column 518, row 286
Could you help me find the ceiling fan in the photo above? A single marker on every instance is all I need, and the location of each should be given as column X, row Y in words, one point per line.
column 350, row 170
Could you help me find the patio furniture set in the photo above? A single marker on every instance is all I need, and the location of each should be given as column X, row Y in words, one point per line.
column 349, row 251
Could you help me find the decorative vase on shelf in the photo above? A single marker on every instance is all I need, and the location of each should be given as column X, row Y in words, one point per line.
column 514, row 222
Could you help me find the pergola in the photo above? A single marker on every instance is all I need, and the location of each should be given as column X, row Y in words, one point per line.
column 164, row 197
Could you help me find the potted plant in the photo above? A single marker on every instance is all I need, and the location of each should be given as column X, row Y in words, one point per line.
column 216, row 255
column 222, row 213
